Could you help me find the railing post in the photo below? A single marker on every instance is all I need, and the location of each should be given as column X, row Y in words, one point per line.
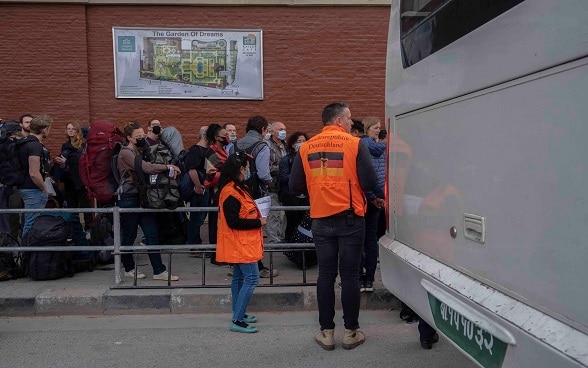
column 117, row 241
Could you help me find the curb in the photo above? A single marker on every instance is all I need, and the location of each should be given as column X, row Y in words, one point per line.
column 177, row 301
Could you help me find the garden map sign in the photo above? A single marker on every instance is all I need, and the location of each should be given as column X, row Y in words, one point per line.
column 188, row 63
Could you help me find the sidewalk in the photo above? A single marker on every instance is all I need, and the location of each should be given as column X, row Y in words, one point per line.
column 91, row 293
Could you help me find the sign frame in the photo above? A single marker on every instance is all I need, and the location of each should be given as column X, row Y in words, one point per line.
column 188, row 63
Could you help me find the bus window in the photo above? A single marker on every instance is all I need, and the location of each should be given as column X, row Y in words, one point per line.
column 429, row 25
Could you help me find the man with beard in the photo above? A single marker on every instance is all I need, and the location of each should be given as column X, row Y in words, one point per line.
column 33, row 190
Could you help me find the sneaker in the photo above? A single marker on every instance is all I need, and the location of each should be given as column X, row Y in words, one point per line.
column 164, row 276
column 131, row 273
column 325, row 339
column 241, row 326
column 265, row 273
column 362, row 286
column 352, row 339
column 249, row 319
column 368, row 286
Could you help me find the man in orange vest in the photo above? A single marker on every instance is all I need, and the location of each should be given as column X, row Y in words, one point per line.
column 335, row 169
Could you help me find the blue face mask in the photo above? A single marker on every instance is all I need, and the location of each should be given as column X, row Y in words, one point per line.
column 248, row 174
column 297, row 147
column 282, row 135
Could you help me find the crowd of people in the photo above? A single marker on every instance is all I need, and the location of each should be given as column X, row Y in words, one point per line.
column 342, row 183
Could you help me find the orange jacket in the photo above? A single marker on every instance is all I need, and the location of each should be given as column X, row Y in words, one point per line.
column 238, row 246
column 329, row 160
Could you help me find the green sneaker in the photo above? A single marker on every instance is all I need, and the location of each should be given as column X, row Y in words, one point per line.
column 241, row 326
column 249, row 319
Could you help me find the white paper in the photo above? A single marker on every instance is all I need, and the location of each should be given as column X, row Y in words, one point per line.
column 264, row 204
column 49, row 186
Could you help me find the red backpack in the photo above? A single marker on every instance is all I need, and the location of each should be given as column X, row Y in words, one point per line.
column 104, row 140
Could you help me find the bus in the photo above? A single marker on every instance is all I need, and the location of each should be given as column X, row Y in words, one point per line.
column 487, row 176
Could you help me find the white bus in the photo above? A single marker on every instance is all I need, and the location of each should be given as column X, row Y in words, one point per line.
column 487, row 182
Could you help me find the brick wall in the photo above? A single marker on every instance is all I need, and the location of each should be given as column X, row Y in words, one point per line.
column 312, row 56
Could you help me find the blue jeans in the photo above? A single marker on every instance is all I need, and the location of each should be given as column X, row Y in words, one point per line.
column 32, row 198
column 338, row 249
column 197, row 218
column 369, row 256
column 245, row 279
column 129, row 223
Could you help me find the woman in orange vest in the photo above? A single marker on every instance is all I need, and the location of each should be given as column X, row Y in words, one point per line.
column 239, row 238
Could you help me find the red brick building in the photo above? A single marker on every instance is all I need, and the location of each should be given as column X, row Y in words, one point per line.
column 57, row 58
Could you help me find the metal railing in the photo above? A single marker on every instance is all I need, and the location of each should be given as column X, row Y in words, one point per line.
column 117, row 249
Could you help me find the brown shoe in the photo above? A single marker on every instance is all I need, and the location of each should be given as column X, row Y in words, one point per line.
column 325, row 339
column 352, row 339
column 265, row 273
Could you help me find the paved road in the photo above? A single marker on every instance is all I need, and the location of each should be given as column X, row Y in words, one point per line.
column 203, row 340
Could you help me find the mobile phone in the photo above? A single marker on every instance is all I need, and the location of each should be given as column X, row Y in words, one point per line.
column 171, row 172
column 349, row 216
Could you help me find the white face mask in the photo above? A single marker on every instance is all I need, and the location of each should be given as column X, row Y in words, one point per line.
column 268, row 136
column 297, row 147
column 282, row 135
column 232, row 138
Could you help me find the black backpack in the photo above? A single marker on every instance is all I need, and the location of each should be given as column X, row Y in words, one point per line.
column 257, row 188
column 49, row 231
column 12, row 171
column 157, row 190
column 185, row 185
column 102, row 233
column 11, row 266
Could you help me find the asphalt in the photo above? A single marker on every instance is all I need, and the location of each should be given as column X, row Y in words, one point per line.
column 202, row 288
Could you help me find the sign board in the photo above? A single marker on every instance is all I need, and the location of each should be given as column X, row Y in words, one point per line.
column 188, row 63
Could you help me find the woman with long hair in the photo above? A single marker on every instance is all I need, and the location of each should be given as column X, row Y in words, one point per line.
column 240, row 237
column 68, row 161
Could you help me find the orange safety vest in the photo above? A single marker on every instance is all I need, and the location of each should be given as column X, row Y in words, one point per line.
column 329, row 160
column 238, row 246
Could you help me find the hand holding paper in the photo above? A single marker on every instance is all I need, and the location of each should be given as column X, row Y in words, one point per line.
column 264, row 204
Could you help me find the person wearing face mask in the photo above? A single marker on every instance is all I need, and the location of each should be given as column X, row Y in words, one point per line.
column 215, row 158
column 240, row 239
column 153, row 131
column 254, row 144
column 285, row 196
column 275, row 223
column 128, row 197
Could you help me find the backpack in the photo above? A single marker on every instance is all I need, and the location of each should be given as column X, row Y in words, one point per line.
column 303, row 234
column 12, row 171
column 10, row 265
column 185, row 184
column 101, row 234
column 95, row 168
column 49, row 231
column 255, row 185
column 157, row 190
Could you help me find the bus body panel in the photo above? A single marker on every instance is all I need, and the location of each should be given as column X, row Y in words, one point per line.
column 532, row 36
column 487, row 181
